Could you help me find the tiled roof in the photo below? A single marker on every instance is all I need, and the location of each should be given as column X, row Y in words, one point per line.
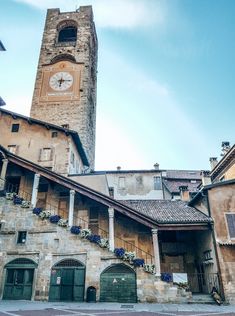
column 183, row 174
column 173, row 185
column 168, row 212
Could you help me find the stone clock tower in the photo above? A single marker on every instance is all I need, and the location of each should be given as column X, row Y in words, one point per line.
column 65, row 87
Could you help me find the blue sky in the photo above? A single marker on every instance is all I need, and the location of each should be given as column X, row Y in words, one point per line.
column 166, row 76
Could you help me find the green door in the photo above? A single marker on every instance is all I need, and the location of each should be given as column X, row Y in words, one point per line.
column 67, row 281
column 18, row 285
column 118, row 284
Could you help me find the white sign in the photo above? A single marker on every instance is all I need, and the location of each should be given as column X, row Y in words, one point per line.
column 180, row 278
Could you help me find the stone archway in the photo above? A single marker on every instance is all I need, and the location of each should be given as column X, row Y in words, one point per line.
column 67, row 281
column 118, row 284
column 19, row 279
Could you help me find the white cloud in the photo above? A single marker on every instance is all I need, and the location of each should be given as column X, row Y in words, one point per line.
column 112, row 13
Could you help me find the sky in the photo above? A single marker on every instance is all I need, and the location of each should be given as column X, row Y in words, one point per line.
column 166, row 76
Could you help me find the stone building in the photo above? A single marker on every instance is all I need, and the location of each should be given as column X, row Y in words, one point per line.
column 65, row 86
column 54, row 147
column 216, row 198
column 48, row 187
column 41, row 259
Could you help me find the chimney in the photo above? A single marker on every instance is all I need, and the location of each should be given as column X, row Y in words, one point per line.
column 118, row 168
column 156, row 166
column 225, row 148
column 206, row 179
column 213, row 162
column 184, row 193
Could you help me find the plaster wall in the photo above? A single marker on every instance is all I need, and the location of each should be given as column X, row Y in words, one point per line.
column 222, row 201
column 32, row 138
column 134, row 186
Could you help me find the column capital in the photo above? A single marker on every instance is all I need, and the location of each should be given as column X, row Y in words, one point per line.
column 111, row 212
column 37, row 175
column 72, row 192
column 155, row 231
column 4, row 160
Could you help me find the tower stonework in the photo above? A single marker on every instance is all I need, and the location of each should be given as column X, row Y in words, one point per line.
column 65, row 87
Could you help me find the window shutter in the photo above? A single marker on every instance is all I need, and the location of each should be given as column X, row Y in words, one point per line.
column 231, row 224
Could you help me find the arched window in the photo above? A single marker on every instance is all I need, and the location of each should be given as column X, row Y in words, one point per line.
column 67, row 34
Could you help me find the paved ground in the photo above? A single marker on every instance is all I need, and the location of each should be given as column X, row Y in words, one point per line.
column 28, row 308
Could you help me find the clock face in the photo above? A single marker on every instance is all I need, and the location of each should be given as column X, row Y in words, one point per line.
column 61, row 81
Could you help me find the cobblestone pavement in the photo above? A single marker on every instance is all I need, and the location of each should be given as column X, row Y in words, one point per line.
column 28, row 308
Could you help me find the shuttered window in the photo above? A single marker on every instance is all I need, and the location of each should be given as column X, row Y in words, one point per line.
column 230, row 217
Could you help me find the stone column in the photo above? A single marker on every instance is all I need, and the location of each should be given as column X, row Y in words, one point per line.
column 71, row 206
column 156, row 253
column 111, row 228
column 35, row 189
column 3, row 173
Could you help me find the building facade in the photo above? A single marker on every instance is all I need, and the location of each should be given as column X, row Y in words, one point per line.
column 65, row 86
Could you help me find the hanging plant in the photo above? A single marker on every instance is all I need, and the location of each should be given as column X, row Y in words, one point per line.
column 10, row 195
column 150, row 268
column 25, row 204
column 75, row 230
column 54, row 219
column 37, row 210
column 104, row 243
column 166, row 277
column 17, row 200
column 63, row 222
column 44, row 214
column 119, row 252
column 93, row 238
column 85, row 232
column 138, row 262
column 129, row 256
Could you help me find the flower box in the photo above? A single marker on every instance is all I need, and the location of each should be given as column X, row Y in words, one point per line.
column 75, row 230
column 54, row 219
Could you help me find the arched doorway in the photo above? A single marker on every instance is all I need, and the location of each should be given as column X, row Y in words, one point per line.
column 19, row 279
column 118, row 284
column 67, row 281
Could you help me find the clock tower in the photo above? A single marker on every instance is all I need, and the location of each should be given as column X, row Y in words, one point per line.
column 65, row 87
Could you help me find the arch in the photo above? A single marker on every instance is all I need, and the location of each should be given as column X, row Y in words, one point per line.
column 67, row 31
column 118, row 268
column 68, row 263
column 118, row 284
column 62, row 57
column 67, row 281
column 21, row 262
column 19, row 279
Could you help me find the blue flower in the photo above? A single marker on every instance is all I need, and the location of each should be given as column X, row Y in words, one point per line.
column 138, row 262
column 166, row 277
column 75, row 230
column 37, row 210
column 54, row 218
column 119, row 252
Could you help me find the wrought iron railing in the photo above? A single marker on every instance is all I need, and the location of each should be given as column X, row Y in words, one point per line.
column 54, row 209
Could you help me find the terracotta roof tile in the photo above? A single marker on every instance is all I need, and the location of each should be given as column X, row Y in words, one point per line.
column 164, row 211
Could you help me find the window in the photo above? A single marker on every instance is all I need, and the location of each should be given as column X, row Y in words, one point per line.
column 54, row 134
column 21, row 237
column 68, row 34
column 157, row 183
column 72, row 159
column 15, row 128
column 230, row 217
column 111, row 191
column 12, row 149
column 46, row 154
column 65, row 126
column 121, row 182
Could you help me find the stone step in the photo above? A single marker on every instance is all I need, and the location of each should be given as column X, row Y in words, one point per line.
column 202, row 299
